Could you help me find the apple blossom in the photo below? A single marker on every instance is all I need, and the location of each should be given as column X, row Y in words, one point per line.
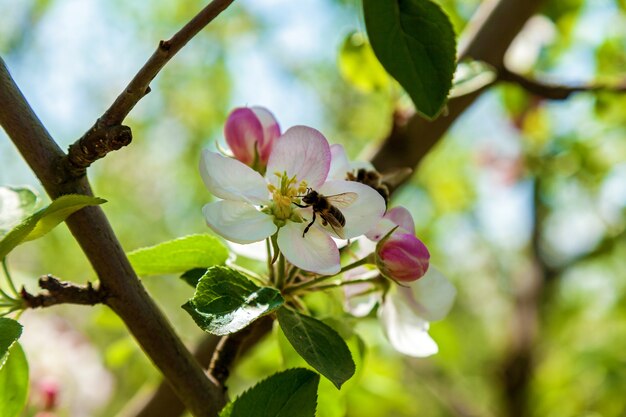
column 406, row 312
column 255, row 207
column 250, row 133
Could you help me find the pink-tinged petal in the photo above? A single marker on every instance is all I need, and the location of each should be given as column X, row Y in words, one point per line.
column 243, row 130
column 430, row 297
column 397, row 216
column 364, row 213
column 339, row 164
column 402, row 217
column 271, row 131
column 316, row 252
column 383, row 227
column 407, row 332
column 301, row 151
column 230, row 179
column 238, row 222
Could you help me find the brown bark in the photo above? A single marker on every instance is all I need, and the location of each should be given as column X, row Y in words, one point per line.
column 487, row 37
column 90, row 227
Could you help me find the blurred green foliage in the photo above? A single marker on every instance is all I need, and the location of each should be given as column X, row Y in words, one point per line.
column 561, row 162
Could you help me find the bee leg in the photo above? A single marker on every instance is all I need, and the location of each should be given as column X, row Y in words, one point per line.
column 306, row 229
column 299, row 205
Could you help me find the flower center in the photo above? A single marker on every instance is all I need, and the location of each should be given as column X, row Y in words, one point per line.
column 288, row 191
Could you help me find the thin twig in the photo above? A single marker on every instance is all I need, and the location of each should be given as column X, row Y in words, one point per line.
column 62, row 292
column 553, row 91
column 108, row 134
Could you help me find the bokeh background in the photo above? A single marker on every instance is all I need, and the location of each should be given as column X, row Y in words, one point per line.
column 522, row 203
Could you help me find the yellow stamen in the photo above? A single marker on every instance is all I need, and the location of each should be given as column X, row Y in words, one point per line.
column 284, row 194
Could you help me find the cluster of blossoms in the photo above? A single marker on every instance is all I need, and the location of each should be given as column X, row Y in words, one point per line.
column 300, row 193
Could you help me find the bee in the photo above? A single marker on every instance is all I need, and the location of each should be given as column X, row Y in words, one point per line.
column 383, row 183
column 327, row 207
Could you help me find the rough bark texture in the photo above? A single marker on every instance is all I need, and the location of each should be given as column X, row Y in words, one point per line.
column 90, row 227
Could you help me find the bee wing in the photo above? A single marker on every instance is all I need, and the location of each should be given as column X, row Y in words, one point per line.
column 396, row 177
column 333, row 223
column 342, row 200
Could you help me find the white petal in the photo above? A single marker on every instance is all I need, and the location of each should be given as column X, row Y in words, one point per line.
column 316, row 252
column 379, row 231
column 301, row 151
column 254, row 250
column 362, row 215
column 431, row 296
column 238, row 221
column 231, row 179
column 354, row 302
column 339, row 164
column 406, row 332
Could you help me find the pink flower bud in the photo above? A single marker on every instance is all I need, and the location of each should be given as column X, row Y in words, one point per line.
column 250, row 133
column 402, row 257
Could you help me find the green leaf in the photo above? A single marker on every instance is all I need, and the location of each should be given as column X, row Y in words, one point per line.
column 45, row 220
column 318, row 344
column 14, row 383
column 179, row 255
column 192, row 277
column 10, row 331
column 291, row 393
column 226, row 301
column 358, row 64
column 16, row 203
column 415, row 42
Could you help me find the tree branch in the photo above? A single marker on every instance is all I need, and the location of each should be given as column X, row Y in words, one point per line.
column 164, row 403
column 486, row 38
column 234, row 345
column 107, row 134
column 529, row 290
column 555, row 91
column 62, row 292
column 91, row 229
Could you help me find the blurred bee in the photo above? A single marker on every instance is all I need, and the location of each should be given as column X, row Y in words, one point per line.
column 327, row 207
column 383, row 183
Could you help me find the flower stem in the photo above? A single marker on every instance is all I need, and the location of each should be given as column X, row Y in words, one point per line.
column 367, row 260
column 270, row 268
column 274, row 240
column 5, row 268
column 5, row 296
column 11, row 310
column 249, row 273
column 280, row 279
column 292, row 273
column 375, row 280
